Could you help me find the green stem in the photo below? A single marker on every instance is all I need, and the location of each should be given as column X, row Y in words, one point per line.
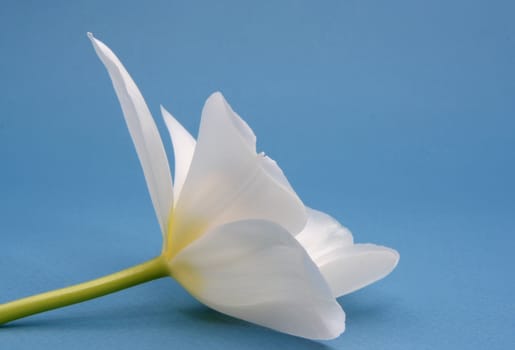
column 148, row 271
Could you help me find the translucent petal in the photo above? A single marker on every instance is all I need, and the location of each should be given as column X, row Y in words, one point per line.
column 228, row 181
column 144, row 133
column 349, row 269
column 183, row 148
column 345, row 266
column 256, row 271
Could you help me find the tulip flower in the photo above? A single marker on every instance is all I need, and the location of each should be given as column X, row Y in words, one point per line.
column 235, row 234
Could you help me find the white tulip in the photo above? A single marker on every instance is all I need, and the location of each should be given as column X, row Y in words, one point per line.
column 346, row 266
column 235, row 233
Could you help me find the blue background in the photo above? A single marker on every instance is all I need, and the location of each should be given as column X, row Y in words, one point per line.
column 397, row 117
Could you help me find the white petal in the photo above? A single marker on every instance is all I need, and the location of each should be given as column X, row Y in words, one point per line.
column 229, row 181
column 144, row 133
column 345, row 266
column 256, row 271
column 349, row 269
column 183, row 148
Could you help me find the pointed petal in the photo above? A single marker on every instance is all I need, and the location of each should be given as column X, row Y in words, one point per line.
column 346, row 267
column 183, row 148
column 144, row 133
column 228, row 181
column 256, row 271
